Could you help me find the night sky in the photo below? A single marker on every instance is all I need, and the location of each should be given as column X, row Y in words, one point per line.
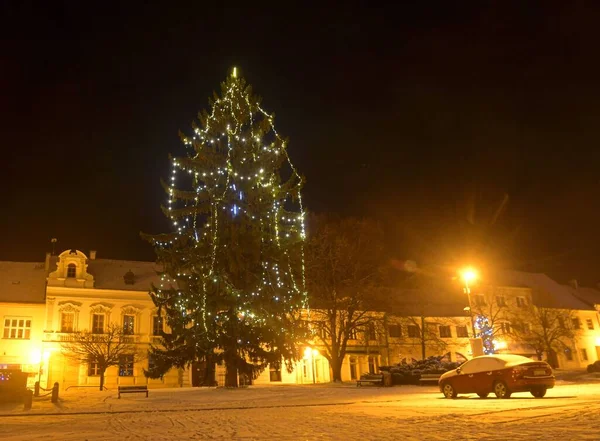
column 469, row 131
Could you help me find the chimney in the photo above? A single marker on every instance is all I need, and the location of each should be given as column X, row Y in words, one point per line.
column 574, row 284
column 92, row 254
column 47, row 262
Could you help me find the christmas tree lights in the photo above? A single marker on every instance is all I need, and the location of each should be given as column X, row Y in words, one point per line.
column 234, row 262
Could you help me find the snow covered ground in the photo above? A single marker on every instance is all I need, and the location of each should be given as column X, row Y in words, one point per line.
column 314, row 412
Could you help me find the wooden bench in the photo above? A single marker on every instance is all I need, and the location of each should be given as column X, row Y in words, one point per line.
column 133, row 390
column 373, row 379
column 429, row 378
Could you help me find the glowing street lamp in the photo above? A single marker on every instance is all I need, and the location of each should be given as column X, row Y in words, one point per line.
column 469, row 275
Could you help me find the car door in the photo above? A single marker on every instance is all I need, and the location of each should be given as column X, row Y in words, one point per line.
column 488, row 371
column 466, row 380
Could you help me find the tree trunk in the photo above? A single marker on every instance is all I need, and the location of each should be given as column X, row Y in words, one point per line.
column 231, row 375
column 336, row 369
column 102, row 379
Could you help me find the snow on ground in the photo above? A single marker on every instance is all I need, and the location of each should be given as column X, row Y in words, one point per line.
column 313, row 412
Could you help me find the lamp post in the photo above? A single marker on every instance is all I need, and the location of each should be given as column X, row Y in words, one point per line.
column 469, row 275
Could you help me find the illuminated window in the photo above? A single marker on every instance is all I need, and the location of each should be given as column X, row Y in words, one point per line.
column 352, row 334
column 128, row 324
column 461, row 332
column 97, row 323
column 275, row 372
column 445, row 332
column 157, row 325
column 413, row 331
column 584, row 355
column 125, row 365
column 590, row 323
column 67, row 321
column 353, row 368
column 395, row 331
column 18, row 328
column 479, row 300
column 370, row 332
column 71, row 271
column 372, row 364
column 93, row 369
column 569, row 354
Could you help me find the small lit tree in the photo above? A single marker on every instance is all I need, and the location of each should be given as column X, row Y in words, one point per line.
column 104, row 349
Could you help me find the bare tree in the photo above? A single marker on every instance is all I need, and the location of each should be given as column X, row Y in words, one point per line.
column 425, row 332
column 493, row 314
column 545, row 330
column 343, row 262
column 104, row 349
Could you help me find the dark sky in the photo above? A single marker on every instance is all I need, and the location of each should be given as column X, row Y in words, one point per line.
column 470, row 130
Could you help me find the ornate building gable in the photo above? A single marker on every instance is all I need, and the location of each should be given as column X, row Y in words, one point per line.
column 71, row 271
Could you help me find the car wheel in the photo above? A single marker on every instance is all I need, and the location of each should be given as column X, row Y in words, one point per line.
column 483, row 395
column 501, row 390
column 539, row 393
column 448, row 390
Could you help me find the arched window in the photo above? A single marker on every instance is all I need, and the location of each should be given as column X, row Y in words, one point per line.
column 71, row 271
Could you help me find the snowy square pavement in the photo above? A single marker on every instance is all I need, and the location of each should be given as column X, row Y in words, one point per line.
column 312, row 412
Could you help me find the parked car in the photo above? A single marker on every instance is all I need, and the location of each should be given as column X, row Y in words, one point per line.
column 502, row 374
column 594, row 367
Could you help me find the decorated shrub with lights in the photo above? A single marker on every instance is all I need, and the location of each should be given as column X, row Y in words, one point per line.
column 234, row 271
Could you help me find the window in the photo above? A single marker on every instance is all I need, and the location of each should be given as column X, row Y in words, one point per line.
column 275, row 372
column 71, row 271
column 372, row 365
column 479, row 300
column 353, row 370
column 505, row 327
column 125, row 365
column 500, row 301
column 97, row 323
column 461, row 331
column 590, row 324
column 413, row 331
column 93, row 369
column 576, row 323
column 157, row 325
column 352, row 335
column 569, row 354
column 395, row 331
column 445, row 332
column 370, row 333
column 584, row 355
column 128, row 324
column 521, row 302
column 67, row 320
column 151, row 362
column 17, row 328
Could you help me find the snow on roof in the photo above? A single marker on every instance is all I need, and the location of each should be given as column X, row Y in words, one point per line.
column 546, row 292
column 110, row 274
column 22, row 282
column 588, row 295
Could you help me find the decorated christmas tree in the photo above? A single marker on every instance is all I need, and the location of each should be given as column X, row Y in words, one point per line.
column 485, row 331
column 233, row 281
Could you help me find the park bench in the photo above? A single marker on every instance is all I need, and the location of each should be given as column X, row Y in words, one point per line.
column 373, row 379
column 429, row 378
column 133, row 390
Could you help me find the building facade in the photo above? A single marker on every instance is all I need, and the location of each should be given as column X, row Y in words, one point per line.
column 43, row 304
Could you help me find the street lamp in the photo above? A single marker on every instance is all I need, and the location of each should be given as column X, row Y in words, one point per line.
column 469, row 275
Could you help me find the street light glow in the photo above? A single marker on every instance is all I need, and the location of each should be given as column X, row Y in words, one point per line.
column 469, row 275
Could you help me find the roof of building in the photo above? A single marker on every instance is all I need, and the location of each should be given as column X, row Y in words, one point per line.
column 22, row 282
column 546, row 292
column 111, row 274
column 588, row 295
